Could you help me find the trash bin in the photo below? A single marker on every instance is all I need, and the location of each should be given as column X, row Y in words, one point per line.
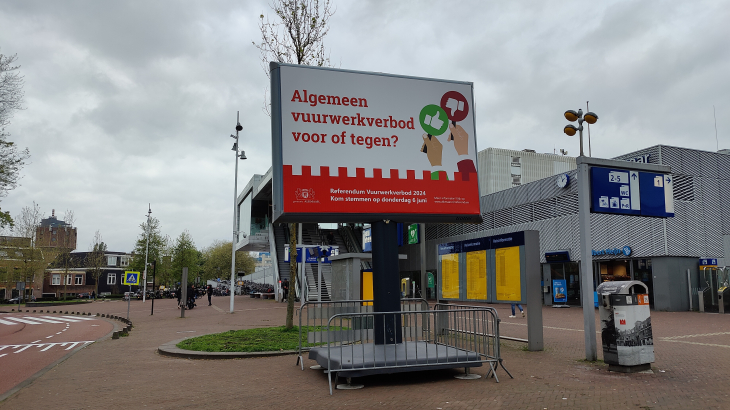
column 628, row 344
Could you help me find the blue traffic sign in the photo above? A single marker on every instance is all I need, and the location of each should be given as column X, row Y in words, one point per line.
column 130, row 278
column 657, row 194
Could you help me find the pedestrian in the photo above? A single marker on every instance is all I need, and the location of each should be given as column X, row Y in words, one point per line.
column 285, row 288
column 93, row 295
column 210, row 294
column 521, row 310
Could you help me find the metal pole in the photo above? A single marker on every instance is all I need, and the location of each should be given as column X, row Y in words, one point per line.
column 422, row 246
column 146, row 252
column 586, row 266
column 689, row 289
column 183, row 291
column 235, row 218
column 129, row 300
column 154, row 271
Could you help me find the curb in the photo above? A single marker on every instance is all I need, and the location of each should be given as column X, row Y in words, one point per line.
column 170, row 349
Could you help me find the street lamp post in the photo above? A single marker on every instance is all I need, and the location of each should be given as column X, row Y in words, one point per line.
column 146, row 253
column 584, row 221
column 235, row 209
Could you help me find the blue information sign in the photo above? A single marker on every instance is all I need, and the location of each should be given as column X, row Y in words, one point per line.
column 560, row 293
column 615, row 191
column 631, row 192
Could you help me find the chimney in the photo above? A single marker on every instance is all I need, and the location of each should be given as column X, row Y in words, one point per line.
column 53, row 213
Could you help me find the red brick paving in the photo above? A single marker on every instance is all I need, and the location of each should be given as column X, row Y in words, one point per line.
column 689, row 373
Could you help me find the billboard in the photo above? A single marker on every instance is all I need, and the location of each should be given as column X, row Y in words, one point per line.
column 352, row 146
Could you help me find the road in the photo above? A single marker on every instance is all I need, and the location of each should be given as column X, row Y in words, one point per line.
column 30, row 342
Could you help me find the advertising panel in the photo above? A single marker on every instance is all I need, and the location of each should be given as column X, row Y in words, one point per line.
column 354, row 146
column 560, row 294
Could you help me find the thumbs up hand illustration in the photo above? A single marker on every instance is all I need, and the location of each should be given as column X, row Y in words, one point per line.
column 434, row 120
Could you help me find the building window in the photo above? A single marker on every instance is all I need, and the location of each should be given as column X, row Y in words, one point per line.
column 69, row 279
column 56, row 279
column 79, row 280
column 111, row 279
column 111, row 260
column 125, row 260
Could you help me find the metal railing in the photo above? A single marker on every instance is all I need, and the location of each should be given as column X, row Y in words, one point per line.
column 314, row 317
column 446, row 337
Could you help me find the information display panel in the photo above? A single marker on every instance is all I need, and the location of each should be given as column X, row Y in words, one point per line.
column 476, row 275
column 350, row 146
column 450, row 276
column 508, row 278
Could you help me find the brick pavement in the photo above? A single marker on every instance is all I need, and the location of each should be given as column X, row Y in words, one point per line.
column 691, row 369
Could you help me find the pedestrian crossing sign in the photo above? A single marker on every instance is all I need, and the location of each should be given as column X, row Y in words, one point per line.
column 131, row 278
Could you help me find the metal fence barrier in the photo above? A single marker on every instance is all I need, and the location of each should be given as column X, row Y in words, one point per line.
column 450, row 336
column 314, row 317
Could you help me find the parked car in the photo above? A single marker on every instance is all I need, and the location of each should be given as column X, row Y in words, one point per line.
column 14, row 300
column 84, row 295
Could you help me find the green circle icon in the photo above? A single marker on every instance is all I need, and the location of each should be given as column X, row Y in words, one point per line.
column 433, row 119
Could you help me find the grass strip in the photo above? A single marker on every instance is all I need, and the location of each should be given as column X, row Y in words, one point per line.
column 264, row 339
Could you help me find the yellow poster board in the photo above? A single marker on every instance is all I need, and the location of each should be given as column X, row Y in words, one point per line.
column 450, row 276
column 367, row 287
column 508, row 284
column 476, row 275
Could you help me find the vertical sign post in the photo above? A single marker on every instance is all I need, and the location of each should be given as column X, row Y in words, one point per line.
column 586, row 262
column 130, row 278
column 183, row 291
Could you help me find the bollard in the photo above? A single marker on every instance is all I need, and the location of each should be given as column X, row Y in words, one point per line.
column 115, row 335
column 97, row 314
column 33, row 310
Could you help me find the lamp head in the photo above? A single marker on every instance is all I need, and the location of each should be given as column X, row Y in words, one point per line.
column 591, row 117
column 570, row 129
column 572, row 116
column 235, row 147
column 239, row 127
column 243, row 155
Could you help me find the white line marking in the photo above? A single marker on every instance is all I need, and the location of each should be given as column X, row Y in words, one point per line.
column 4, row 354
column 702, row 335
column 78, row 318
column 5, row 322
column 695, row 343
column 21, row 320
column 36, row 341
column 48, row 337
column 61, row 318
column 41, row 319
column 58, row 333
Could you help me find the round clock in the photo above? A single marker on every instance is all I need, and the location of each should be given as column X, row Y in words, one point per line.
column 563, row 180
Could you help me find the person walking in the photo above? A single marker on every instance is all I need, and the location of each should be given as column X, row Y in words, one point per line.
column 209, row 291
column 521, row 310
column 285, row 289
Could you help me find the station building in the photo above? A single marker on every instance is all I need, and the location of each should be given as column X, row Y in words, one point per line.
column 662, row 253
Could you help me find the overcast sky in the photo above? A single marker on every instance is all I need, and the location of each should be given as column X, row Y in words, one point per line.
column 130, row 103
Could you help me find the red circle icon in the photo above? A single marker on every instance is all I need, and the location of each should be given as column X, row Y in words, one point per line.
column 455, row 105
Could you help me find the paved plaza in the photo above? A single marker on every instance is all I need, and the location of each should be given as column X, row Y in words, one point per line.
column 691, row 371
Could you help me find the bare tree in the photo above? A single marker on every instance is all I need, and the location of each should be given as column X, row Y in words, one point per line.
column 97, row 259
column 33, row 260
column 11, row 159
column 295, row 36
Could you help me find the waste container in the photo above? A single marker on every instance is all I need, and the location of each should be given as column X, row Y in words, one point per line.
column 628, row 344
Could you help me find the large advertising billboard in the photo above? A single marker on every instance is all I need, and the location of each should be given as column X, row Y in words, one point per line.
column 353, row 146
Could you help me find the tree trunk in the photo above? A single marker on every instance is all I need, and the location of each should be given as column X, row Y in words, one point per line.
column 292, row 276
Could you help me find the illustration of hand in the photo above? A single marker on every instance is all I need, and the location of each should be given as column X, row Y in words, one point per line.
column 433, row 149
column 460, row 138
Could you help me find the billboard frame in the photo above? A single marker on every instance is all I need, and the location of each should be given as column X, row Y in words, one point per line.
column 278, row 211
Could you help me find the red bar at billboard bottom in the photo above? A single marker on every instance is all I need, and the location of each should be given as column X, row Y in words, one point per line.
column 432, row 194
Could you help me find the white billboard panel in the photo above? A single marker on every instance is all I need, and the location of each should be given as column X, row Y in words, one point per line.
column 354, row 146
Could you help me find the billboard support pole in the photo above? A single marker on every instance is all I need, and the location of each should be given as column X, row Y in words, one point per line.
column 422, row 254
column 386, row 282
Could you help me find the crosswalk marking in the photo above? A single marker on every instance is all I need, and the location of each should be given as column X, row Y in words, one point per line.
column 21, row 320
column 45, row 346
column 39, row 320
